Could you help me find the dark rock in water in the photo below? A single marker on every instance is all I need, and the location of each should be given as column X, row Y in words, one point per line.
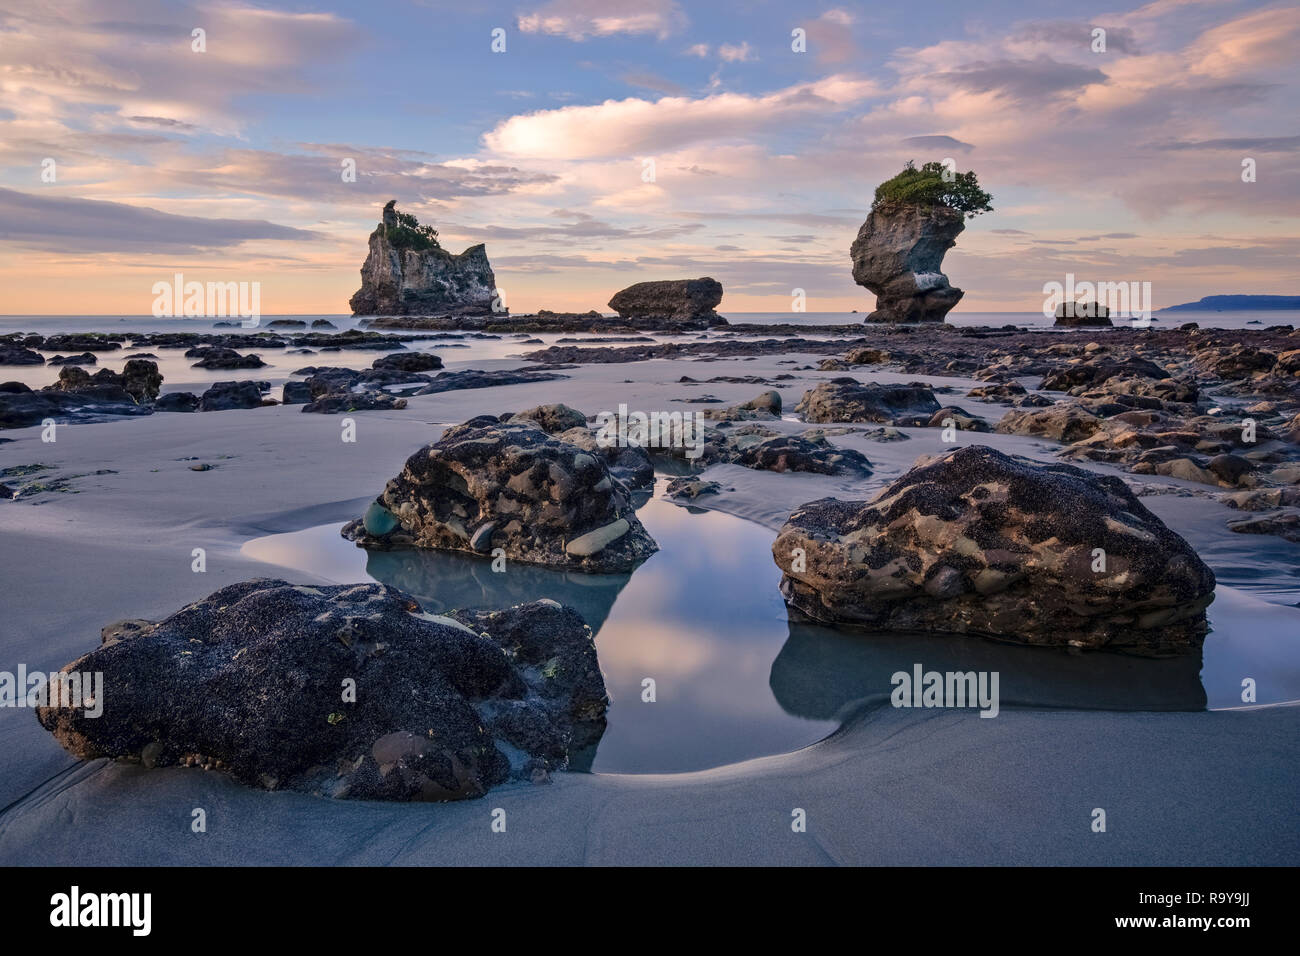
column 177, row 402
column 295, row 393
column 691, row 488
column 224, row 396
column 10, row 355
column 6, row 492
column 476, row 378
column 323, row 324
column 1074, row 314
column 351, row 339
column 978, row 542
column 84, row 342
column 248, row 680
column 1284, row 523
column 488, row 484
column 408, row 362
column 334, row 403
column 406, row 275
column 287, row 324
column 228, row 358
column 85, row 358
column 141, row 379
column 690, row 300
column 89, row 403
column 898, row 255
column 14, row 388
column 552, row 419
column 848, row 400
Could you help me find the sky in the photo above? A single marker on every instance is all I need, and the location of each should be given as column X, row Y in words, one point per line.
column 606, row 142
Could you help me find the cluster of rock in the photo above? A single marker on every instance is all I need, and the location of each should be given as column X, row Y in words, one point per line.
column 79, row 395
column 252, row 680
column 978, row 542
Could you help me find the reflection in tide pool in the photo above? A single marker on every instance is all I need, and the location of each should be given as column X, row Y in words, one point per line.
column 737, row 677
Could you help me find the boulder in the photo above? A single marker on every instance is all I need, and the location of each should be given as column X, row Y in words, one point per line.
column 248, row 680
column 898, row 255
column 848, row 400
column 488, row 484
column 408, row 361
column 960, row 418
column 296, row 393
column 686, row 300
column 224, row 396
column 141, row 379
column 1064, row 422
column 978, row 542
column 16, row 355
column 766, row 407
column 85, row 358
column 224, row 358
column 177, row 402
column 405, row 276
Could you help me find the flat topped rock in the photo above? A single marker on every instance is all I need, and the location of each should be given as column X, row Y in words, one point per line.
column 978, row 542
column 251, row 680
column 488, row 484
column 671, row 299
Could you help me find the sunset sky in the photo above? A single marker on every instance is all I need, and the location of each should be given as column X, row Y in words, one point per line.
column 226, row 164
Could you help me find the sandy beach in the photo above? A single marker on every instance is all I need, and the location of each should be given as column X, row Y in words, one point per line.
column 1187, row 786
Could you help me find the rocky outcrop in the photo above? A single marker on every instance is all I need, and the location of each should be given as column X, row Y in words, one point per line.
column 254, row 679
column 978, row 542
column 404, row 278
column 690, row 301
column 488, row 484
column 898, row 255
column 1082, row 314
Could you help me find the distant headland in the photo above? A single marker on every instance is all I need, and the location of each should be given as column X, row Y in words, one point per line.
column 1237, row 303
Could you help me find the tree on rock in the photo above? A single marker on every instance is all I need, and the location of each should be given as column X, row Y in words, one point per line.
column 928, row 186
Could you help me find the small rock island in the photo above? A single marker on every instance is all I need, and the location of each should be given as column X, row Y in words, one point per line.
column 407, row 272
column 915, row 218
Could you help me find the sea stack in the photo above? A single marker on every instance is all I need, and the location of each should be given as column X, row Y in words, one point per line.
column 898, row 255
column 407, row 272
column 1072, row 314
column 687, row 302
